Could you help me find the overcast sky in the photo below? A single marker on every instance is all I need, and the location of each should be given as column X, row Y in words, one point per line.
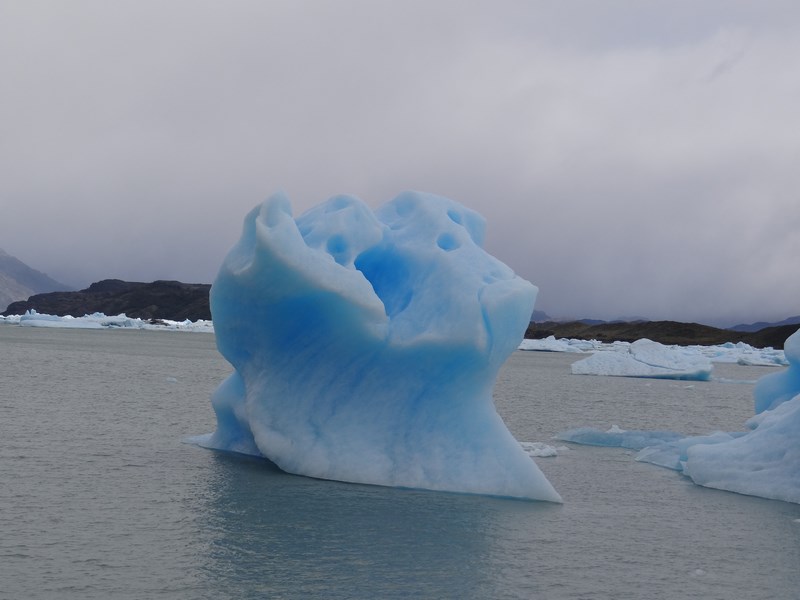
column 631, row 158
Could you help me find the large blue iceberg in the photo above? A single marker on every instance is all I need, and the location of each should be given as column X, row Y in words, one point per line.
column 366, row 345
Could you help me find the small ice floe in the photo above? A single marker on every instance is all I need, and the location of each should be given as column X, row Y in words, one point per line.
column 615, row 437
column 551, row 344
column 538, row 449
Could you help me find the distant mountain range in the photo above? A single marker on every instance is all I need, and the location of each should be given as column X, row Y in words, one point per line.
column 761, row 324
column 18, row 281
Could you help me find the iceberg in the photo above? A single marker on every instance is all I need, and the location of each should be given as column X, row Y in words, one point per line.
column 365, row 346
column 776, row 388
column 766, row 460
column 762, row 461
column 743, row 354
column 645, row 358
column 551, row 344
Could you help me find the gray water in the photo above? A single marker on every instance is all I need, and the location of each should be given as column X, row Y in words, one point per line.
column 100, row 497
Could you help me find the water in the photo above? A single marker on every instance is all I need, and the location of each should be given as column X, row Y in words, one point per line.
column 101, row 499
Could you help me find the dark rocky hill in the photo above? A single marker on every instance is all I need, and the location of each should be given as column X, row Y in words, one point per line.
column 665, row 332
column 157, row 300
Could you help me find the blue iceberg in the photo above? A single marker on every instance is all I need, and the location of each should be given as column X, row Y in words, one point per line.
column 766, row 460
column 366, row 345
column 762, row 461
column 776, row 388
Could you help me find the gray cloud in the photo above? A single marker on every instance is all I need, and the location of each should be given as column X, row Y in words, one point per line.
column 630, row 158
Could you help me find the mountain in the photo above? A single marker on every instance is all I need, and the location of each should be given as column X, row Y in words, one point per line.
column 763, row 324
column 157, row 300
column 18, row 281
column 540, row 315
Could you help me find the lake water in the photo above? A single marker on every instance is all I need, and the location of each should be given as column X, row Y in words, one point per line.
column 100, row 497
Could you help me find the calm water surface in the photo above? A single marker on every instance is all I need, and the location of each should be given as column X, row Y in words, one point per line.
column 100, row 497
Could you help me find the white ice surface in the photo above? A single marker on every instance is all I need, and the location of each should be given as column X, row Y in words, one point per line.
column 645, row 358
column 101, row 321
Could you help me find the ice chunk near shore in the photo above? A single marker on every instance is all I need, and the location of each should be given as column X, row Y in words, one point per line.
column 97, row 320
column 645, row 358
column 551, row 344
column 743, row 354
column 366, row 345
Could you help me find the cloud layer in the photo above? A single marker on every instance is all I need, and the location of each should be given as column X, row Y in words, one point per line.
column 630, row 160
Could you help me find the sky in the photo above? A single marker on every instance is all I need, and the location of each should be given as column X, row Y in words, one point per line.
column 631, row 158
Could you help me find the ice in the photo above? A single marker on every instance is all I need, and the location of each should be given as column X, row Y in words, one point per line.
column 764, row 461
column 743, row 354
column 539, row 449
column 771, row 390
column 366, row 345
column 615, row 437
column 645, row 358
column 739, row 352
column 673, row 454
column 32, row 318
column 551, row 344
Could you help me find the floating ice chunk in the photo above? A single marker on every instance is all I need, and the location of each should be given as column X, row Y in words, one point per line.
column 539, row 449
column 765, row 462
column 33, row 319
column 762, row 462
column 550, row 344
column 365, row 346
column 645, row 358
column 743, row 354
column 615, row 437
column 100, row 321
column 672, row 455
